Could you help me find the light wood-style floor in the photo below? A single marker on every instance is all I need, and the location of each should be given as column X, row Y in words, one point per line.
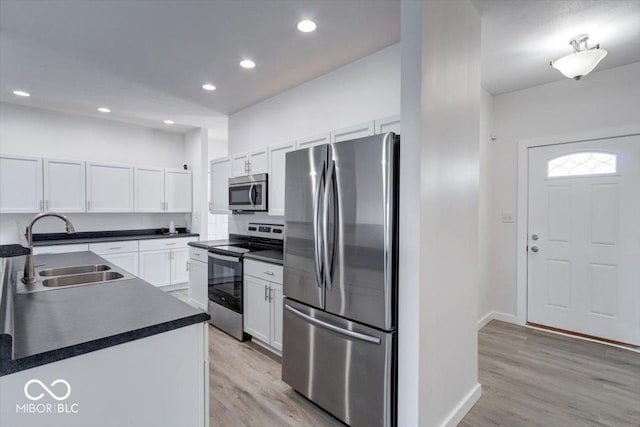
column 528, row 377
column 535, row 378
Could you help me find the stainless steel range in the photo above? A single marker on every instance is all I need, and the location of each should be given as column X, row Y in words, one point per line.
column 225, row 281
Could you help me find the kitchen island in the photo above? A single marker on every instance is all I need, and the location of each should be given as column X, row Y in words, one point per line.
column 120, row 352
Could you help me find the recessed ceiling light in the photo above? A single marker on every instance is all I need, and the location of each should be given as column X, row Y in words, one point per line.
column 247, row 63
column 104, row 110
column 208, row 86
column 169, row 122
column 21, row 93
column 307, row 26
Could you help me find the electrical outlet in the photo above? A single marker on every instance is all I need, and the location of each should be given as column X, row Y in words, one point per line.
column 507, row 217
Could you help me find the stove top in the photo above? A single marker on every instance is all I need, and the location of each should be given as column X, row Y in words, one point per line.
column 239, row 249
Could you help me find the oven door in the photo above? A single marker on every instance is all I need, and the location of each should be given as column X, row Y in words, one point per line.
column 225, row 281
column 250, row 196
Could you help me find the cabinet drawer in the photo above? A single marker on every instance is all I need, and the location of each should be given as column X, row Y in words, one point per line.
column 198, row 254
column 165, row 243
column 114, row 247
column 263, row 270
column 60, row 249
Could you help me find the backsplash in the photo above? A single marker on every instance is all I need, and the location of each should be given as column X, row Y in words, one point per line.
column 12, row 226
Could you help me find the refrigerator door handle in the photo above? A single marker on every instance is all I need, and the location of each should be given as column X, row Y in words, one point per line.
column 316, row 322
column 327, row 262
column 317, row 243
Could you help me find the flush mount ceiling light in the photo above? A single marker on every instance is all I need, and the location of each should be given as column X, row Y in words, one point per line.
column 307, row 26
column 104, row 110
column 21, row 93
column 582, row 61
column 247, row 63
column 208, row 86
column 168, row 122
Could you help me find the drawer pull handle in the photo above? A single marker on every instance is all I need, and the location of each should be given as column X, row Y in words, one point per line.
column 171, row 244
column 114, row 248
column 270, row 273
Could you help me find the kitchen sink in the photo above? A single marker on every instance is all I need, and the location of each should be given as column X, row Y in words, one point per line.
column 82, row 279
column 63, row 271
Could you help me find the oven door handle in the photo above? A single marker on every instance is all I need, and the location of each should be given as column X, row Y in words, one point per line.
column 224, row 257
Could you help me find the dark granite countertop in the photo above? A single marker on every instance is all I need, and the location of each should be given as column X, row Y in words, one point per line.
column 50, row 239
column 57, row 324
column 270, row 256
column 7, row 251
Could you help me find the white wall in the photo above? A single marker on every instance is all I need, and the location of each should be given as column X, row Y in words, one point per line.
column 449, row 206
column 218, row 225
column 604, row 99
column 485, row 239
column 44, row 133
column 366, row 89
column 196, row 147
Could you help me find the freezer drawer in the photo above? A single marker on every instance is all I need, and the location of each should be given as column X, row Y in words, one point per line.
column 346, row 368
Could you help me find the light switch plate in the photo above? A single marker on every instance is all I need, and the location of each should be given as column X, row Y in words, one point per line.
column 507, row 217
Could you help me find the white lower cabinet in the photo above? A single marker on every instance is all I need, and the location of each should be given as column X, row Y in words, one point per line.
column 198, row 280
column 155, row 267
column 60, row 249
column 163, row 262
column 263, row 304
column 126, row 261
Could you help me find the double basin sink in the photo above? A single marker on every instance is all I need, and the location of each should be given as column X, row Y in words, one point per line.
column 61, row 277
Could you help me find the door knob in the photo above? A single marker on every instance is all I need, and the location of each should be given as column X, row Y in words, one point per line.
column 534, row 249
column 534, row 237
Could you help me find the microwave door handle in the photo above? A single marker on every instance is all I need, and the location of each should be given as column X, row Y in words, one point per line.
column 253, row 186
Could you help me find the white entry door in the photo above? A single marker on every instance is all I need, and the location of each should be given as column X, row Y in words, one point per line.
column 584, row 238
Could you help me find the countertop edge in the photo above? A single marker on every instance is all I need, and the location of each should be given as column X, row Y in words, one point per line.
column 107, row 239
column 8, row 367
column 256, row 257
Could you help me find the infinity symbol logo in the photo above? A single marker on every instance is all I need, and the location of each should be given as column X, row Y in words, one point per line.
column 52, row 394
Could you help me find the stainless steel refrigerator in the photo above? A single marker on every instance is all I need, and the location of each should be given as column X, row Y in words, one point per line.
column 340, row 277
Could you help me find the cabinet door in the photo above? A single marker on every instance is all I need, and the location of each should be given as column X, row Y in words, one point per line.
column 388, row 124
column 179, row 268
column 198, row 283
column 149, row 189
column 259, row 161
column 276, row 316
column 20, row 184
column 155, row 267
column 109, row 187
column 178, row 190
column 64, row 186
column 219, row 185
column 257, row 309
column 312, row 141
column 240, row 164
column 127, row 261
column 277, row 157
column 352, row 132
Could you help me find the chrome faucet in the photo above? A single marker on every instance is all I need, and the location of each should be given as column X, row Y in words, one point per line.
column 29, row 273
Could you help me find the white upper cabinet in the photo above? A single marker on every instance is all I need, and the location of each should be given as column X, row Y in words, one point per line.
column 149, row 189
column 240, row 165
column 177, row 190
column 220, row 172
column 352, row 132
column 277, row 158
column 251, row 162
column 312, row 141
column 388, row 124
column 64, row 186
column 109, row 187
column 20, row 184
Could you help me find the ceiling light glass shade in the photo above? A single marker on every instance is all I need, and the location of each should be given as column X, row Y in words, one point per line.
column 579, row 64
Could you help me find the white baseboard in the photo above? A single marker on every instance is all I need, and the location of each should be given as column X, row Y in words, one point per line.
column 463, row 407
column 496, row 315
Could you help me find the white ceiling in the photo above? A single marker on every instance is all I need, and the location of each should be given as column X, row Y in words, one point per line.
column 520, row 37
column 147, row 60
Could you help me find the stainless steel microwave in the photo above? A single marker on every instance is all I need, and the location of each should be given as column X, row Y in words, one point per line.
column 248, row 193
